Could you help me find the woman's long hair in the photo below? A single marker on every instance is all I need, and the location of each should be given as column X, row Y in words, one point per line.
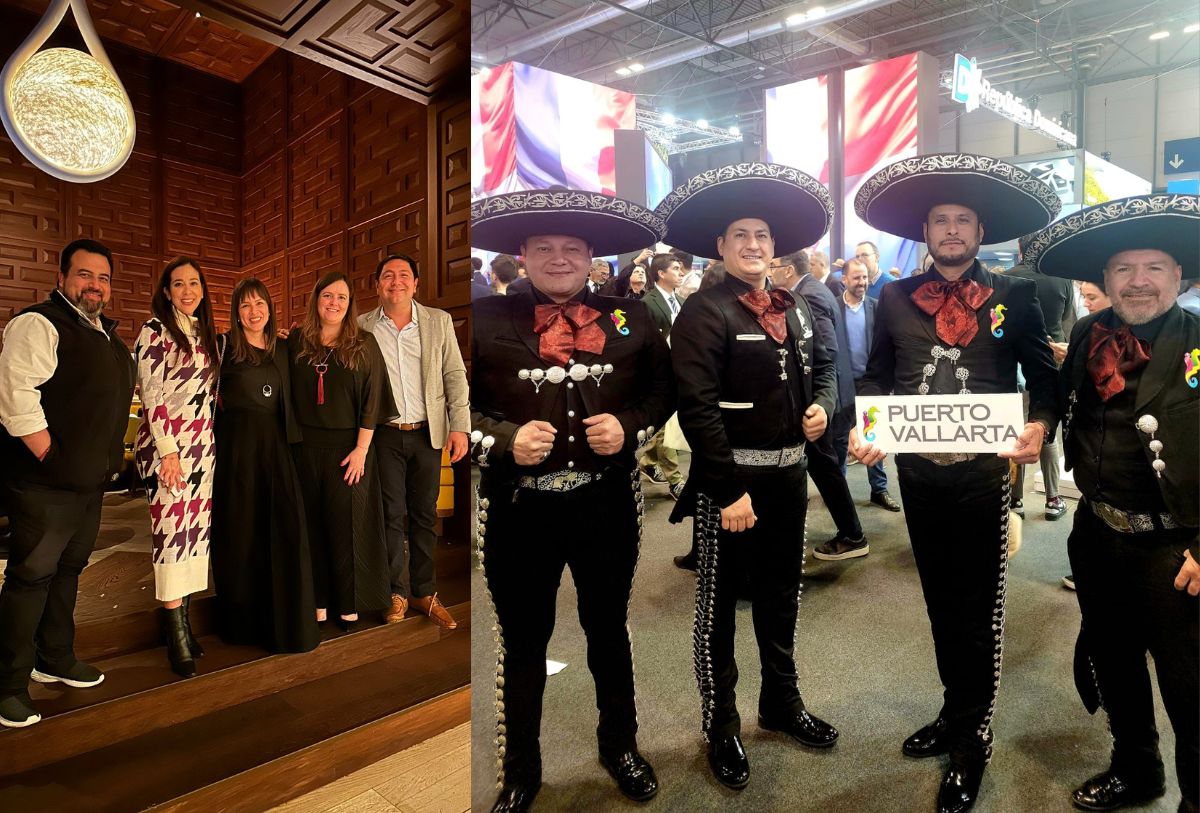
column 239, row 345
column 161, row 307
column 349, row 344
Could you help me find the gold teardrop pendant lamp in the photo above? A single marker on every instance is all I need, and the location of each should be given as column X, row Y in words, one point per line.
column 65, row 109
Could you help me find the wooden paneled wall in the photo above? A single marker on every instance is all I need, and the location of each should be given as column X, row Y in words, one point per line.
column 180, row 192
column 299, row 171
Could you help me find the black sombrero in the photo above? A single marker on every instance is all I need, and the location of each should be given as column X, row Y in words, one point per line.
column 796, row 206
column 1009, row 201
column 1080, row 245
column 609, row 225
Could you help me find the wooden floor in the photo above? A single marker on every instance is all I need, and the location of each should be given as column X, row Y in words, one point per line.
column 433, row 777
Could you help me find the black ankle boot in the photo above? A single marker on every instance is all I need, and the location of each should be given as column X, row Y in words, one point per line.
column 174, row 629
column 193, row 645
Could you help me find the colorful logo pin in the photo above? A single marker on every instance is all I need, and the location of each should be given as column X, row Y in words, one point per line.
column 869, row 422
column 998, row 320
column 1191, row 367
column 618, row 317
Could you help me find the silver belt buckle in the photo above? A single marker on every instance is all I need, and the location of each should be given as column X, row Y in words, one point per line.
column 1112, row 517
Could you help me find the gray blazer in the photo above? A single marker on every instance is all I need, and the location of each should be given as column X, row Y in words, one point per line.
column 447, row 400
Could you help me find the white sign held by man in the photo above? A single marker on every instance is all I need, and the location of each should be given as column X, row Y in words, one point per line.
column 940, row 423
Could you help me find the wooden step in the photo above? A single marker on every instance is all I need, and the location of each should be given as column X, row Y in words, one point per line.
column 144, row 696
column 126, row 631
column 294, row 775
column 191, row 742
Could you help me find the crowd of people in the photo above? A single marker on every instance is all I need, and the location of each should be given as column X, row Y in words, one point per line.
column 302, row 465
column 576, row 389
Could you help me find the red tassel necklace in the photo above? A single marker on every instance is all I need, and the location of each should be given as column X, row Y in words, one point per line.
column 321, row 369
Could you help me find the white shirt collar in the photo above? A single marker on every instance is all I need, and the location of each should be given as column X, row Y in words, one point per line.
column 381, row 314
column 665, row 293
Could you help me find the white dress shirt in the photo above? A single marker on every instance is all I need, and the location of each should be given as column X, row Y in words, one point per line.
column 401, row 348
column 28, row 360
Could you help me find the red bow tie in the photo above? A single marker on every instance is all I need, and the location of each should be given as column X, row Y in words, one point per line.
column 770, row 310
column 1113, row 354
column 563, row 329
column 953, row 306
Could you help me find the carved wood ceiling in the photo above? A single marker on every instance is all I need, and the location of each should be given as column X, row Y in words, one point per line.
column 410, row 47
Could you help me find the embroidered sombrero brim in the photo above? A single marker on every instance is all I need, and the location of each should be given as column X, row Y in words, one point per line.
column 1009, row 201
column 797, row 207
column 1080, row 245
column 609, row 225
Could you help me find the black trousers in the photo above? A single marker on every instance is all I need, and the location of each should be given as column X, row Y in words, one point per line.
column 410, row 471
column 772, row 554
column 826, row 472
column 957, row 518
column 594, row 530
column 52, row 536
column 1130, row 607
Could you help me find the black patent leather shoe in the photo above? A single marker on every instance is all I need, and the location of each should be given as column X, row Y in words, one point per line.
column 728, row 762
column 802, row 727
column 960, row 787
column 1109, row 791
column 516, row 798
column 930, row 741
column 632, row 773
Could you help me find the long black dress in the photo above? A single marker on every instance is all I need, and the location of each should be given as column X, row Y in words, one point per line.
column 345, row 523
column 261, row 564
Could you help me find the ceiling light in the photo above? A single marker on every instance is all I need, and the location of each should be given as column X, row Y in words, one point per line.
column 815, row 12
column 65, row 109
column 1192, row 29
column 794, row 20
column 197, row 15
column 702, row 123
column 623, row 71
column 735, row 131
column 1160, row 35
column 637, row 67
column 668, row 119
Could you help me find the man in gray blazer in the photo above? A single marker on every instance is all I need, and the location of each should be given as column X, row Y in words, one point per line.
column 856, row 331
column 429, row 384
column 658, row 462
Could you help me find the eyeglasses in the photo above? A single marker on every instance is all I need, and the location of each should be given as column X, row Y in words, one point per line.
column 775, row 267
column 863, row 255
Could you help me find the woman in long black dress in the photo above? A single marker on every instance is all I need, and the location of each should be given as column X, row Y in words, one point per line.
column 262, row 571
column 340, row 393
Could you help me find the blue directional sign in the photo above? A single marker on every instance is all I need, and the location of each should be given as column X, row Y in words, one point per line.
column 1181, row 156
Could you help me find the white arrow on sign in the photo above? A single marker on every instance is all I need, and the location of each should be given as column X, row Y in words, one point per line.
column 1176, row 162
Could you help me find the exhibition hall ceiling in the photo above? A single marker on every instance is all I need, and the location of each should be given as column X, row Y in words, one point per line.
column 700, row 56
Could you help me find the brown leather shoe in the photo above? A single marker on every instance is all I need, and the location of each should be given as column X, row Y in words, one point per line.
column 396, row 612
column 432, row 607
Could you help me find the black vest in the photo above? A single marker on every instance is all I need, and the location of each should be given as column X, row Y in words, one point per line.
column 86, row 404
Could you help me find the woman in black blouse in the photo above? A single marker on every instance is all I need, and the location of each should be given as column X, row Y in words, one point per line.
column 262, row 570
column 340, row 392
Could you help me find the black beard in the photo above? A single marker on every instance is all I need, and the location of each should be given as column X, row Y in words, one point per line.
column 89, row 310
column 945, row 259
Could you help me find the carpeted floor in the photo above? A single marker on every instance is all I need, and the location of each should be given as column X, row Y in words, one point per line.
column 866, row 665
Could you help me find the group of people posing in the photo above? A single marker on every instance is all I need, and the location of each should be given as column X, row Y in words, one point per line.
column 305, row 464
column 571, row 386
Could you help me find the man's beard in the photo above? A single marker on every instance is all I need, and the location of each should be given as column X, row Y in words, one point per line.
column 968, row 254
column 1141, row 313
column 90, row 309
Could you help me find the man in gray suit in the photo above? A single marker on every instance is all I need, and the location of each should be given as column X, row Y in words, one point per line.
column 429, row 384
column 661, row 463
column 856, row 330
